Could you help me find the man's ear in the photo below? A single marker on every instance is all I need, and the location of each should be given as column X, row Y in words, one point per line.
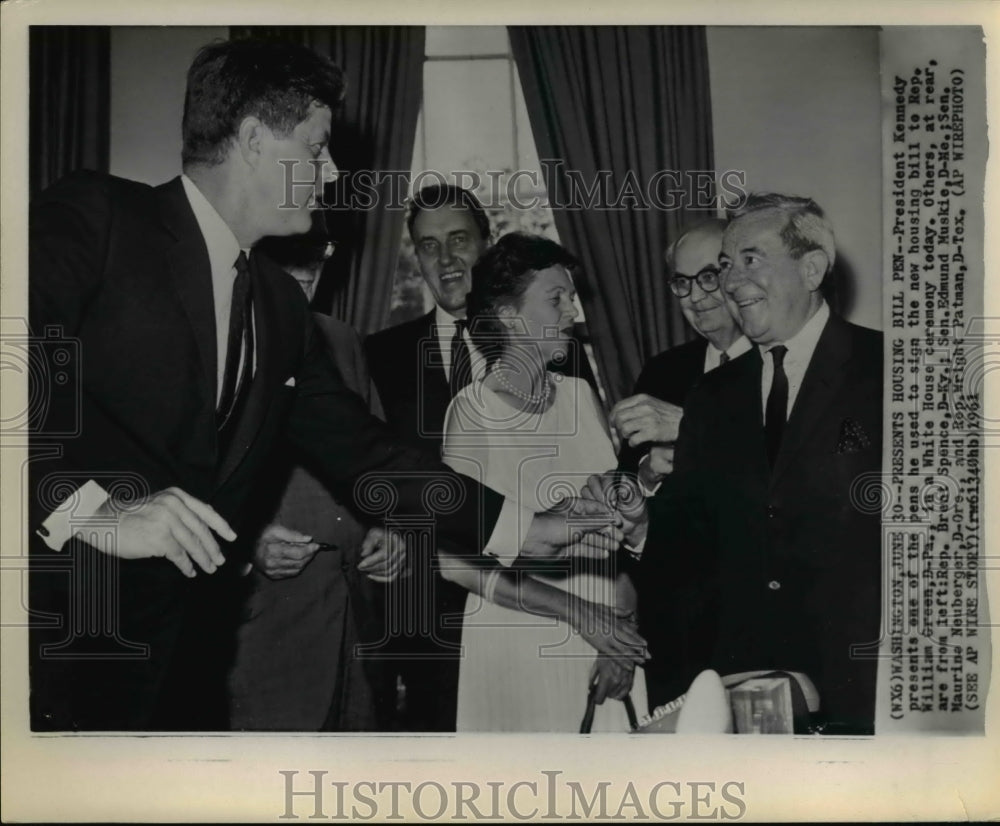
column 249, row 137
column 813, row 266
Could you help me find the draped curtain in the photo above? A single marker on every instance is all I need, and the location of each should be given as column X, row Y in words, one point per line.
column 631, row 101
column 376, row 131
column 69, row 101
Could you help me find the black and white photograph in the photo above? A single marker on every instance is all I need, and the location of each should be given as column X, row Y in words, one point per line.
column 453, row 418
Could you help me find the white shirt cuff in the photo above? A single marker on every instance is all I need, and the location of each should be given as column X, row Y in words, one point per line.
column 636, row 550
column 646, row 491
column 79, row 505
column 509, row 533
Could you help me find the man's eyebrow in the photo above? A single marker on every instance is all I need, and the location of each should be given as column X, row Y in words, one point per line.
column 757, row 250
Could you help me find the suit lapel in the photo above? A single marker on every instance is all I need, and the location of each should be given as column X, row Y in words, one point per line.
column 745, row 416
column 187, row 260
column 269, row 347
column 819, row 387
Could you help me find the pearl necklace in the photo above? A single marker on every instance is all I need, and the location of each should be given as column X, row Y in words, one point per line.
column 532, row 398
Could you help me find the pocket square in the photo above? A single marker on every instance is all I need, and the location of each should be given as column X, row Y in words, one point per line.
column 852, row 437
column 290, row 382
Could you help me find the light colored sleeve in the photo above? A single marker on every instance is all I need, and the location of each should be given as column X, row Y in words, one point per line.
column 468, row 449
column 56, row 530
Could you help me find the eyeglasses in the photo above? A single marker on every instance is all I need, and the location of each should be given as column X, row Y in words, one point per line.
column 708, row 280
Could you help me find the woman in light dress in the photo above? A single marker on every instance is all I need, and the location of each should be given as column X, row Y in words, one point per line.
column 535, row 638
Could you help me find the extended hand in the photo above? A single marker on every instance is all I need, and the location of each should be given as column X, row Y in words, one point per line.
column 643, row 418
column 171, row 524
column 575, row 527
column 383, row 556
column 281, row 553
column 621, row 492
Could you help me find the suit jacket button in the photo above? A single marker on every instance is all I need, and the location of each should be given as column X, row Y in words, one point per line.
column 771, row 511
column 774, row 585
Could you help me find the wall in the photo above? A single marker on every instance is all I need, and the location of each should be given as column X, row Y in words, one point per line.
column 799, row 110
column 148, row 68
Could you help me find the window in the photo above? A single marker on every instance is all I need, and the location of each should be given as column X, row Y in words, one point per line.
column 473, row 131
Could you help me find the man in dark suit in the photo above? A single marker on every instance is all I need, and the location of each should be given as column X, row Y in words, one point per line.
column 312, row 611
column 647, row 421
column 197, row 354
column 414, row 369
column 761, row 516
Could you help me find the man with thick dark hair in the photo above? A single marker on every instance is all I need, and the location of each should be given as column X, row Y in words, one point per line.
column 198, row 352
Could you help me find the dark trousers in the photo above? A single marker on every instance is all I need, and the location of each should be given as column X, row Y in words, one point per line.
column 424, row 648
column 127, row 645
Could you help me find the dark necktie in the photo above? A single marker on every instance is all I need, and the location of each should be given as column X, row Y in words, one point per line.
column 236, row 381
column 461, row 360
column 723, row 359
column 777, row 403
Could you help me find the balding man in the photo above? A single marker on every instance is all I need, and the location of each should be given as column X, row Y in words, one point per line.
column 647, row 421
column 759, row 515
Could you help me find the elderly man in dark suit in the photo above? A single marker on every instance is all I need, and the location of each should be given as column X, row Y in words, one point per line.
column 647, row 421
column 760, row 518
column 197, row 354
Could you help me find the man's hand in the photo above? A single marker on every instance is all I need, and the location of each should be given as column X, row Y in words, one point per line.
column 620, row 492
column 642, row 418
column 575, row 527
column 171, row 524
column 656, row 465
column 281, row 553
column 383, row 556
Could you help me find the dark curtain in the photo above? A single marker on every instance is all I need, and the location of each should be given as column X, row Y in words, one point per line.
column 375, row 131
column 69, row 109
column 633, row 101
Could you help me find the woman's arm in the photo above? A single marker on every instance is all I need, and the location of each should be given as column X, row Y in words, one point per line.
column 601, row 626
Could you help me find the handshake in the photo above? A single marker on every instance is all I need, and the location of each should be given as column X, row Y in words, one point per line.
column 621, row 494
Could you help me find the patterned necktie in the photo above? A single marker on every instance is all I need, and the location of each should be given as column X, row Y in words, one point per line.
column 777, row 403
column 723, row 359
column 461, row 360
column 236, row 381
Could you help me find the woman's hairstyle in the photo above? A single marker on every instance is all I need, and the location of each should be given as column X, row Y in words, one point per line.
column 268, row 79
column 500, row 277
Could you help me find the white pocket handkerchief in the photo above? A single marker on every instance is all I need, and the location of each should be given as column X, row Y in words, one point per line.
column 290, row 382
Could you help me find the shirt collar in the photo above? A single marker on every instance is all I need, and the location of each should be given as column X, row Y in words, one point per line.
column 803, row 343
column 737, row 348
column 442, row 318
column 223, row 248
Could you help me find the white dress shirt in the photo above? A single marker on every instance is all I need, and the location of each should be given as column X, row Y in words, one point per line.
column 223, row 250
column 713, row 356
column 444, row 325
column 801, row 347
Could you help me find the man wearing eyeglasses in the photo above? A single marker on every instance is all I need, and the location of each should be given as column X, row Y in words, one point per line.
column 762, row 533
column 648, row 420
